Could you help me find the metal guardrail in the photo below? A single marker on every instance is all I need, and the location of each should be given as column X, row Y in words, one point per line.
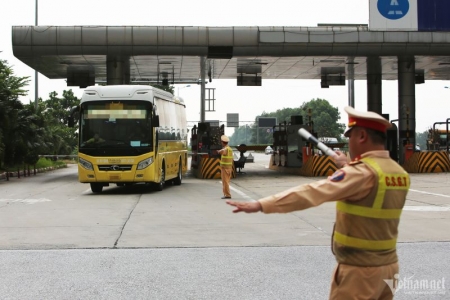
column 25, row 172
column 58, row 156
column 28, row 170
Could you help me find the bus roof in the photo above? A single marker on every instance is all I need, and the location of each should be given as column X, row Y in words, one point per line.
column 126, row 92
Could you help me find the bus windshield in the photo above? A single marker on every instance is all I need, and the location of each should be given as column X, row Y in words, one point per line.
column 116, row 124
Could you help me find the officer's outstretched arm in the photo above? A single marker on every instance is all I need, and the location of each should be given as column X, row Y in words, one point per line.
column 248, row 207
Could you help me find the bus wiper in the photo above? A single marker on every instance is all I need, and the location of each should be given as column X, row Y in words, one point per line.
column 119, row 144
column 92, row 145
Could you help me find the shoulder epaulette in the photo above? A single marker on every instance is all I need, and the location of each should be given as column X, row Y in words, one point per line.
column 355, row 162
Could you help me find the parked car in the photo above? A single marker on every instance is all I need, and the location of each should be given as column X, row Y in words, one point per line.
column 329, row 141
column 268, row 150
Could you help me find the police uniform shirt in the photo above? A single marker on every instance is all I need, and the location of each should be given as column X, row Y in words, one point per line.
column 226, row 159
column 352, row 182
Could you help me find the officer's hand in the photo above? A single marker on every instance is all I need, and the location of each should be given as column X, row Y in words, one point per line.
column 340, row 159
column 248, row 207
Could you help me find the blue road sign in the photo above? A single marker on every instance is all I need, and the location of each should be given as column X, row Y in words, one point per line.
column 393, row 9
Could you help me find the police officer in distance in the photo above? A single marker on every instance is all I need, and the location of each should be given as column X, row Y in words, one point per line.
column 370, row 191
column 226, row 166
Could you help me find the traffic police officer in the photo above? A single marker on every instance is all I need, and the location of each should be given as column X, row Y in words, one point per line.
column 226, row 166
column 370, row 191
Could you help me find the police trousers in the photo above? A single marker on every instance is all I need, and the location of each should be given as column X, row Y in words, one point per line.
column 225, row 174
column 354, row 282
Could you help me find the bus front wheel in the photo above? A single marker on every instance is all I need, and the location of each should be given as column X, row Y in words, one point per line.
column 160, row 184
column 96, row 187
column 177, row 180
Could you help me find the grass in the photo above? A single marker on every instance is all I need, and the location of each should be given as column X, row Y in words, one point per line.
column 45, row 163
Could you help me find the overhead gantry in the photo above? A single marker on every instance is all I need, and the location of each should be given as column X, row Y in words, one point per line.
column 85, row 55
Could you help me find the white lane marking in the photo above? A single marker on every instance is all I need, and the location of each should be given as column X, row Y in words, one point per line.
column 428, row 193
column 426, row 208
column 242, row 194
column 27, row 201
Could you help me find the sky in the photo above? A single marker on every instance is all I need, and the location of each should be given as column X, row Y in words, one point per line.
column 431, row 97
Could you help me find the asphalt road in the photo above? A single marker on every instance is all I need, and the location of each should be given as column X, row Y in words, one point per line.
column 60, row 241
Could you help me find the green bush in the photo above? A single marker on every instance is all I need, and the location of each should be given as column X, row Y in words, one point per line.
column 44, row 163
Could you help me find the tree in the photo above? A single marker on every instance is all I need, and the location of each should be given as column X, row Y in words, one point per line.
column 26, row 132
column 30, row 136
column 11, row 88
column 56, row 112
column 318, row 112
column 324, row 118
column 421, row 139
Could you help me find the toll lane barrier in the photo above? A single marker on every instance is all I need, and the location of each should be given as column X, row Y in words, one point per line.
column 308, row 167
column 318, row 166
column 419, row 162
column 412, row 164
column 315, row 166
column 209, row 168
column 428, row 162
column 323, row 166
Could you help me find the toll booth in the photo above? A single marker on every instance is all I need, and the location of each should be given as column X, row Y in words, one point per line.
column 295, row 145
column 279, row 144
column 297, row 154
column 392, row 142
column 205, row 141
column 209, row 138
column 288, row 144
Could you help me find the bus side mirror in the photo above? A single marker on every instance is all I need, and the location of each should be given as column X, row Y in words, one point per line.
column 70, row 122
column 155, row 121
column 73, row 112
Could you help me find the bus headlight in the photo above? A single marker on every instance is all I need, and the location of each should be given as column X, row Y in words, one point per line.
column 145, row 163
column 85, row 164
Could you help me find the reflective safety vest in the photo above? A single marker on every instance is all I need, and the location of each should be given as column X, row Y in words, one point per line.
column 366, row 230
column 226, row 160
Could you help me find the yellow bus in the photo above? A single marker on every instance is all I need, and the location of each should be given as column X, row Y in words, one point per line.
column 130, row 134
